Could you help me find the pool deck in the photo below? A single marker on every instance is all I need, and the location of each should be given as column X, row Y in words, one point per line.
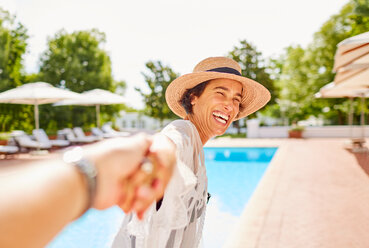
column 315, row 193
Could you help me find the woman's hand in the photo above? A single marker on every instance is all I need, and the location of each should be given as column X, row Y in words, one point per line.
column 143, row 187
column 163, row 153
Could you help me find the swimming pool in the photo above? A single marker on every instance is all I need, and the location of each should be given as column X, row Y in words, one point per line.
column 233, row 174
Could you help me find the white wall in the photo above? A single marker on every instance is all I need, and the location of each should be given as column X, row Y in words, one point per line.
column 314, row 132
column 336, row 131
column 273, row 132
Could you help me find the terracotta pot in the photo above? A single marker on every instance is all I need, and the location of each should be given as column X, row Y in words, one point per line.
column 295, row 134
column 52, row 137
column 3, row 142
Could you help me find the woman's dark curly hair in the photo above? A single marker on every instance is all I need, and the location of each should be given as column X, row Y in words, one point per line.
column 189, row 94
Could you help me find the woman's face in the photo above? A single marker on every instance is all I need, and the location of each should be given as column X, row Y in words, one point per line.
column 217, row 107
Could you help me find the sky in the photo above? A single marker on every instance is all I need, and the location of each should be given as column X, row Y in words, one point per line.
column 180, row 33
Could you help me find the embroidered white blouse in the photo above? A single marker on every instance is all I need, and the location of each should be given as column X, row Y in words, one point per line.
column 180, row 218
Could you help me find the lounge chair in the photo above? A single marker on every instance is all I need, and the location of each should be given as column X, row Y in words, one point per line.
column 100, row 134
column 81, row 135
column 24, row 141
column 42, row 137
column 8, row 150
column 106, row 128
column 68, row 134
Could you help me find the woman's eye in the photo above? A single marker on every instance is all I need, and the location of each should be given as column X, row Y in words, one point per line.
column 221, row 93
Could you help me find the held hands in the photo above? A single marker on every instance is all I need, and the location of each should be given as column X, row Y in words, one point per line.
column 145, row 186
column 132, row 172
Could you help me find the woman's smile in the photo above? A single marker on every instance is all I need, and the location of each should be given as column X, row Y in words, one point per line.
column 220, row 117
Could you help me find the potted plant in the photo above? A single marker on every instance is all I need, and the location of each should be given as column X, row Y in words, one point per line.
column 4, row 137
column 296, row 131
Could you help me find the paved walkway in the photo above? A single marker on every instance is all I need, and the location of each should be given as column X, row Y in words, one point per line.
column 315, row 193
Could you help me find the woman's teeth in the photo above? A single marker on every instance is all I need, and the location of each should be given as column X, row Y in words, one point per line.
column 220, row 120
column 220, row 117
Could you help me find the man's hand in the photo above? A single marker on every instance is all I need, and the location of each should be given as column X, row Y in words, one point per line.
column 116, row 159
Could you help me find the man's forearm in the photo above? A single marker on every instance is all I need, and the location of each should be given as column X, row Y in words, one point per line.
column 41, row 197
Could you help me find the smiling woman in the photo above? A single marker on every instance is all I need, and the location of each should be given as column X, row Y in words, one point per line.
column 209, row 100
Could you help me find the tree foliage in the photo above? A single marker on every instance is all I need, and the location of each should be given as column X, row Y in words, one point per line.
column 305, row 71
column 13, row 43
column 158, row 79
column 78, row 62
column 253, row 65
column 362, row 7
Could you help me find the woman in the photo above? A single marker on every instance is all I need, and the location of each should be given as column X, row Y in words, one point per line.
column 209, row 100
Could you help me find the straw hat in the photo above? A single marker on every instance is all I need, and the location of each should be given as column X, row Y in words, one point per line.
column 255, row 95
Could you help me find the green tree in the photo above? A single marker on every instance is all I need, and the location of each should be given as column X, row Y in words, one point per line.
column 76, row 61
column 13, row 43
column 157, row 80
column 293, row 83
column 305, row 71
column 252, row 66
column 362, row 7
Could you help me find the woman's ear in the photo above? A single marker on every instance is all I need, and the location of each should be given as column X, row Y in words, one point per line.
column 193, row 100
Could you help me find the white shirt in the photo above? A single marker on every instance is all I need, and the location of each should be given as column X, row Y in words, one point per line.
column 180, row 219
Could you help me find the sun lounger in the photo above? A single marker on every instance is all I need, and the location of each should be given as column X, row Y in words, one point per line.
column 71, row 137
column 68, row 135
column 106, row 128
column 42, row 137
column 78, row 131
column 8, row 150
column 98, row 133
column 24, row 141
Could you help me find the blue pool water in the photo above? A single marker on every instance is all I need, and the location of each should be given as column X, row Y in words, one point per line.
column 233, row 174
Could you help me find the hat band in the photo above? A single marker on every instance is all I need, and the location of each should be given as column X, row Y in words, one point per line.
column 226, row 70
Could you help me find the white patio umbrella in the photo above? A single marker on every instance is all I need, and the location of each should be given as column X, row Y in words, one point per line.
column 351, row 62
column 352, row 52
column 95, row 98
column 36, row 94
column 355, row 78
column 333, row 90
column 351, row 82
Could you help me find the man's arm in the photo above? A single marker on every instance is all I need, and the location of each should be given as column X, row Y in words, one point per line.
column 37, row 200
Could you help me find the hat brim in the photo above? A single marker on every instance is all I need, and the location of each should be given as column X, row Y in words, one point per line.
column 255, row 95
